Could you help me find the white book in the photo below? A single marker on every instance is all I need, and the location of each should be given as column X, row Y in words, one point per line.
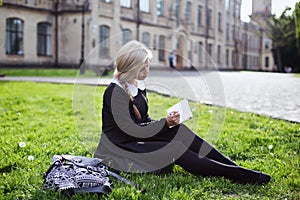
column 184, row 110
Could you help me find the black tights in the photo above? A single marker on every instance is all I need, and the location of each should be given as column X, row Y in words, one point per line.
column 203, row 159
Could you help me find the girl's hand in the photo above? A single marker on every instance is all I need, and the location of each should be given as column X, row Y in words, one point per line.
column 173, row 118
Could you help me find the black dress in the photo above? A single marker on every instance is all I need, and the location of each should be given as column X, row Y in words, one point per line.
column 146, row 145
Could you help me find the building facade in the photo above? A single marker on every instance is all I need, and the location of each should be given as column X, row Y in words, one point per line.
column 62, row 33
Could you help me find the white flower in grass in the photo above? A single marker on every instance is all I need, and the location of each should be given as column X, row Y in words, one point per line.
column 30, row 158
column 270, row 147
column 210, row 111
column 22, row 144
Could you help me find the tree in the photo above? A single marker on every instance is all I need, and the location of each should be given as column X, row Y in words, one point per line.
column 285, row 31
column 297, row 22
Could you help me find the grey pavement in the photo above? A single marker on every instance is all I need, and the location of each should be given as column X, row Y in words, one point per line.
column 271, row 94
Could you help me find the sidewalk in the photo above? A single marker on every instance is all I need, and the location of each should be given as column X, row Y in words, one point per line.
column 271, row 94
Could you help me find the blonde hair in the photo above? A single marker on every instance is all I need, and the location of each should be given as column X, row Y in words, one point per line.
column 131, row 58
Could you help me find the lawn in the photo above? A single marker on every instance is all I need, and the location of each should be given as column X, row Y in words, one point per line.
column 44, row 117
column 46, row 72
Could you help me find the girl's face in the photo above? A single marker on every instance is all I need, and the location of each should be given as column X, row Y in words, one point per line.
column 143, row 73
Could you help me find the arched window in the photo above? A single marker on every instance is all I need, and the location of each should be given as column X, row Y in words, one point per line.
column 126, row 36
column 161, row 48
column 14, row 36
column 146, row 38
column 44, row 39
column 104, row 41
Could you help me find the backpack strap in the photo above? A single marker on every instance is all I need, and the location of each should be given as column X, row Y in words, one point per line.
column 117, row 176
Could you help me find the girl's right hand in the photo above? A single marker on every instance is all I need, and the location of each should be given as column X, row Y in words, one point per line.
column 173, row 118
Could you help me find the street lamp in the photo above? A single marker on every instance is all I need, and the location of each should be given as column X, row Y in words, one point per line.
column 82, row 67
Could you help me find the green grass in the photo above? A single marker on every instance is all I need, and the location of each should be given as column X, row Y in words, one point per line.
column 42, row 116
column 46, row 72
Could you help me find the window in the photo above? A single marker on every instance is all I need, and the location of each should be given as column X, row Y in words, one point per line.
column 220, row 21
column 160, row 7
column 227, row 6
column 245, row 61
column 267, row 62
column 146, row 38
column 232, row 6
column 188, row 11
column 227, row 57
column 44, row 39
column 177, row 4
column 267, row 43
column 126, row 36
column 200, row 59
column 219, row 55
column 199, row 16
column 233, row 58
column 209, row 50
column 233, row 32
column 144, row 6
column 209, row 18
column 14, row 36
column 227, row 31
column 104, row 41
column 237, row 10
column 161, row 48
column 125, row 3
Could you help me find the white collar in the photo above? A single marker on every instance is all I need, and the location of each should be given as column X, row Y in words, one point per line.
column 133, row 89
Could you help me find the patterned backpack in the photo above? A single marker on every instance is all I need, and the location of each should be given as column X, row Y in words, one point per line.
column 78, row 174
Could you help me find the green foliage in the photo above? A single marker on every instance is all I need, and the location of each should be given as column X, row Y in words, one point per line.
column 42, row 116
column 297, row 22
column 285, row 36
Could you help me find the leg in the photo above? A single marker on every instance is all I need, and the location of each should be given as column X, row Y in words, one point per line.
column 204, row 149
column 191, row 162
column 171, row 63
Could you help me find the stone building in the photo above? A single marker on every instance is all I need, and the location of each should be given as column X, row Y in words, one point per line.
column 62, row 33
column 257, row 30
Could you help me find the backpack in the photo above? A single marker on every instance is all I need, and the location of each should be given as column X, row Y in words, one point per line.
column 78, row 174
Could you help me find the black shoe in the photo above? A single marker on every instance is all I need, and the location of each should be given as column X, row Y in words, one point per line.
column 258, row 178
column 263, row 178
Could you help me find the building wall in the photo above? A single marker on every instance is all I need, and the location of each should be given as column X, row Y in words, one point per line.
column 219, row 45
column 259, row 6
column 30, row 20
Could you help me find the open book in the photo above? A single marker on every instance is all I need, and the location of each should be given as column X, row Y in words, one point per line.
column 184, row 110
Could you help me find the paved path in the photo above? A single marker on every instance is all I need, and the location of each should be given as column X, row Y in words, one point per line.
column 271, row 94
